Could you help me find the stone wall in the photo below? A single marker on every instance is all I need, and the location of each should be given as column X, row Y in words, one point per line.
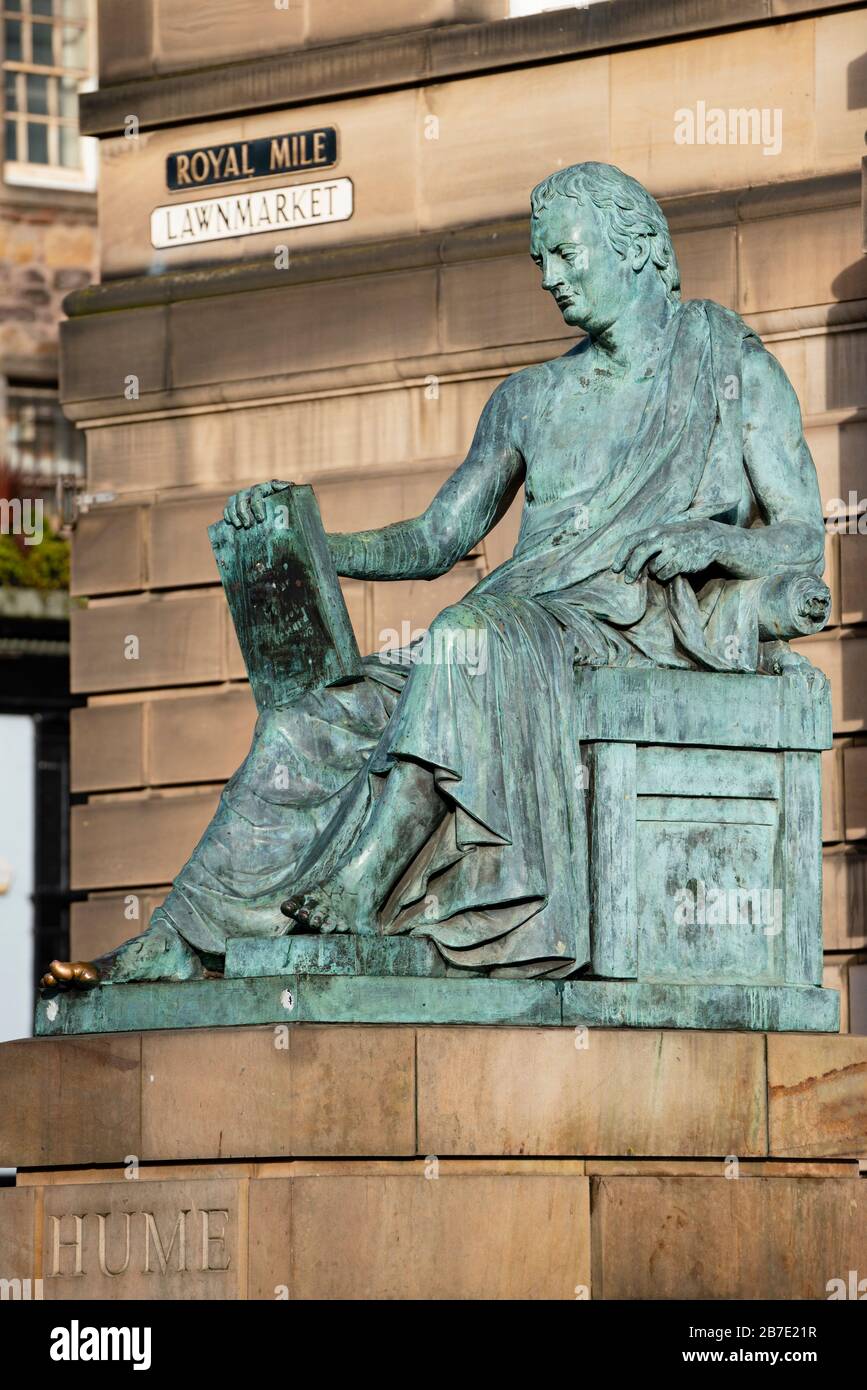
column 44, row 254
column 433, row 1163
column 162, row 36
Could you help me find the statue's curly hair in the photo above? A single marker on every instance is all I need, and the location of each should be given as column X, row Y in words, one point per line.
column 627, row 207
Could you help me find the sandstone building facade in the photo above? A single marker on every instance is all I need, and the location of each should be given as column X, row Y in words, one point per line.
column 47, row 250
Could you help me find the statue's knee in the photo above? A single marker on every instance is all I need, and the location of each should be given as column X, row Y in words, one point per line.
column 463, row 616
column 269, row 723
column 459, row 637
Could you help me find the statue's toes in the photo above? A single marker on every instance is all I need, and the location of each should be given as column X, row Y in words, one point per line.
column 299, row 908
column 63, row 974
column 308, row 911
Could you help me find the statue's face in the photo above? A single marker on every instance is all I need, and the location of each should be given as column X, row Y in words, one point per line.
column 590, row 281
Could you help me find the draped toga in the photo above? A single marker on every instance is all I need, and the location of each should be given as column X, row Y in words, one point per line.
column 487, row 701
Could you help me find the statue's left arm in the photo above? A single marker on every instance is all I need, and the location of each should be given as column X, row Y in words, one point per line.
column 783, row 479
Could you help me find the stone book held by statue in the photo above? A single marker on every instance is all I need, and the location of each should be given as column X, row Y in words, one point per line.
column 285, row 600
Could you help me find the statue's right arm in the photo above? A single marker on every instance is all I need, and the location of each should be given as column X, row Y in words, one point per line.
column 461, row 514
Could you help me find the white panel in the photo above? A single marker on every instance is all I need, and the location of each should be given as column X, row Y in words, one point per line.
column 16, row 875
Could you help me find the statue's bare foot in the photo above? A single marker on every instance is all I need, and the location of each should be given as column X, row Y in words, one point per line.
column 70, row 974
column 335, row 906
column 159, row 953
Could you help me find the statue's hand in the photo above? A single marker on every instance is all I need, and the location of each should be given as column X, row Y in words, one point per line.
column 683, row 548
column 245, row 508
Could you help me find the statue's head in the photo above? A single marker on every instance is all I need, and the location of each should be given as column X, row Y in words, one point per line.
column 602, row 243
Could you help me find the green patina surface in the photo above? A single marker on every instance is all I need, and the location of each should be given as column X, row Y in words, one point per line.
column 705, row 708
column 346, row 954
column 404, row 999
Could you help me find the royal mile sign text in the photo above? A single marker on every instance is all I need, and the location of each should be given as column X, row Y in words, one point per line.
column 252, row 159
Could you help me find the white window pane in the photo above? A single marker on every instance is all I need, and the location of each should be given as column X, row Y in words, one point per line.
column 69, row 98
column 74, row 47
column 70, row 148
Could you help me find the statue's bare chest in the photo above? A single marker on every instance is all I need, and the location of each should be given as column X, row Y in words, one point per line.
column 583, row 423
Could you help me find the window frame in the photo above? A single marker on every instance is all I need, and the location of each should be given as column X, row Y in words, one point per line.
column 65, row 477
column 51, row 175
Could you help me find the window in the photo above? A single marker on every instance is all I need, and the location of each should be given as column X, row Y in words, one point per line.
column 46, row 63
column 43, row 451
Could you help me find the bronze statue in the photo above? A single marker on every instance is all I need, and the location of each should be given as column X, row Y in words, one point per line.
column 672, row 519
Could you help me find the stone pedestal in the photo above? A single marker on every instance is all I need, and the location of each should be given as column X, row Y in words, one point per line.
column 348, row 1161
